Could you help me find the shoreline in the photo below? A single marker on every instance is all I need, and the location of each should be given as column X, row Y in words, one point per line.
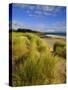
column 56, row 36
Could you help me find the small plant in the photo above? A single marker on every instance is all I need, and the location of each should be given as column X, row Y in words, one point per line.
column 60, row 49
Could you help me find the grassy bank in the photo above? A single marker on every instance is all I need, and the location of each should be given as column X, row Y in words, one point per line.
column 33, row 62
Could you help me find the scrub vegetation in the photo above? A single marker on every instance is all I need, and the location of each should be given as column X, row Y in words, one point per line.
column 32, row 61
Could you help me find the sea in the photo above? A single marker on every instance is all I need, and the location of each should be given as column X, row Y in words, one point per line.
column 56, row 33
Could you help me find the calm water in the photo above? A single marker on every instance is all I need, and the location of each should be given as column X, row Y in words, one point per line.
column 56, row 33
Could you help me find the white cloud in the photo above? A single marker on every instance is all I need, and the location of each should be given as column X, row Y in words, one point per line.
column 51, row 10
column 20, row 5
column 38, row 12
column 17, row 24
column 59, row 26
column 39, row 9
column 48, row 8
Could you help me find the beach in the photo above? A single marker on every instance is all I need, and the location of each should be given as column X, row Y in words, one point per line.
column 56, row 36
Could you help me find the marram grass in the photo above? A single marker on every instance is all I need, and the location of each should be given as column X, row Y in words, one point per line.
column 33, row 63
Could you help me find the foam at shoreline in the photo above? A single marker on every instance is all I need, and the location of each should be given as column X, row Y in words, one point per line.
column 56, row 36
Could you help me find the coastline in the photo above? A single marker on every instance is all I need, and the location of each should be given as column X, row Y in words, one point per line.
column 56, row 36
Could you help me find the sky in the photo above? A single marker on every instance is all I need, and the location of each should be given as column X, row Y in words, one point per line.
column 44, row 18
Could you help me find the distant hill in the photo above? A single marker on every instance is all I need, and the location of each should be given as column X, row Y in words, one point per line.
column 35, row 31
column 24, row 30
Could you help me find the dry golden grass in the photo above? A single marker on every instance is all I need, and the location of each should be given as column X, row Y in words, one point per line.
column 33, row 63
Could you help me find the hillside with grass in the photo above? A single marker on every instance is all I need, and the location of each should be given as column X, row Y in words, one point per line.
column 33, row 63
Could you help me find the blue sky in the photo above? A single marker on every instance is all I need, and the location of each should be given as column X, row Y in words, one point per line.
column 43, row 18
